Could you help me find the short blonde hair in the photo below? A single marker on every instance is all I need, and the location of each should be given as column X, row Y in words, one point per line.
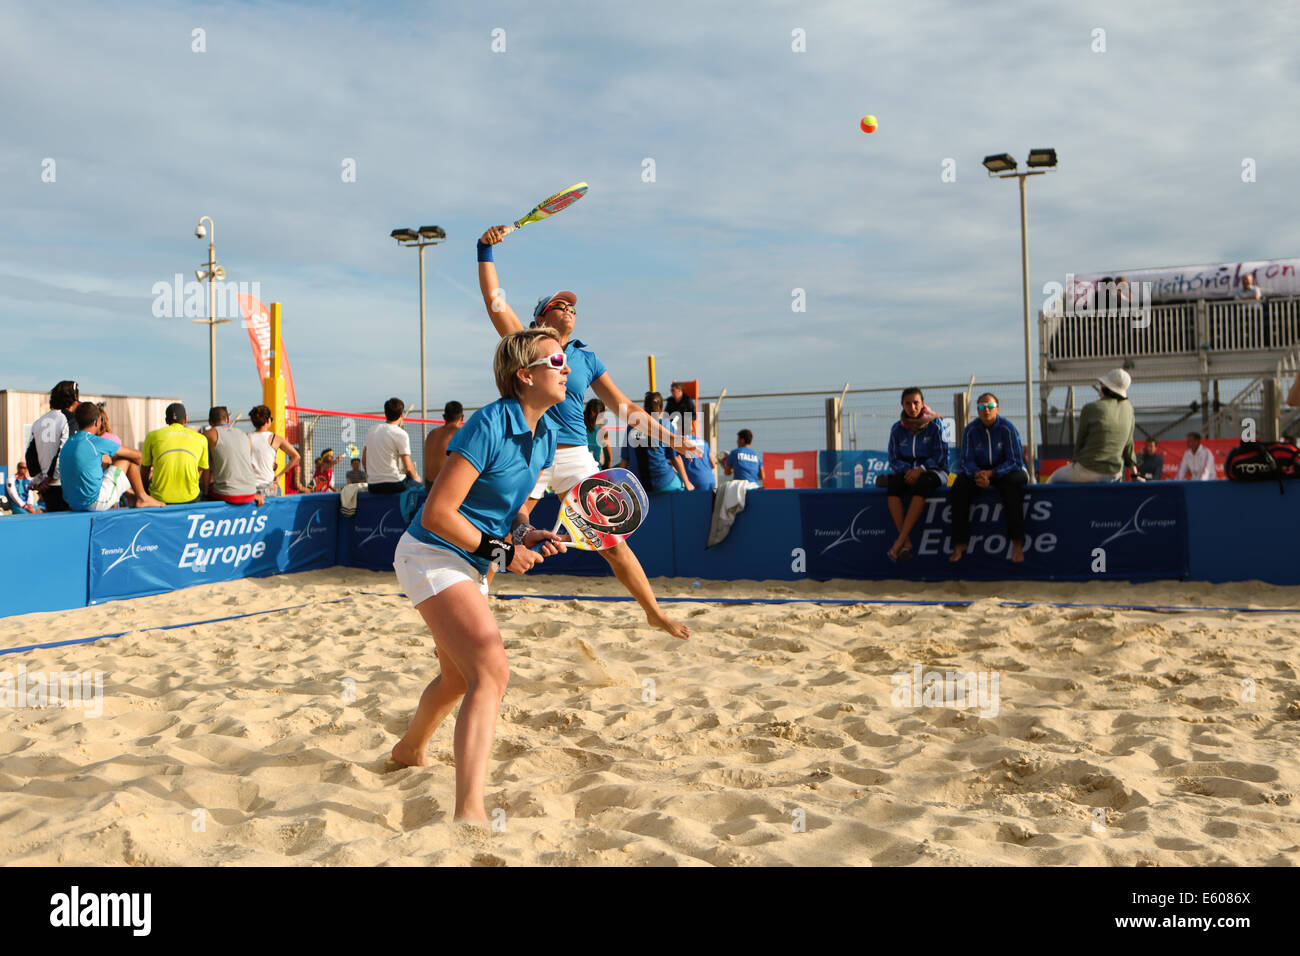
column 517, row 350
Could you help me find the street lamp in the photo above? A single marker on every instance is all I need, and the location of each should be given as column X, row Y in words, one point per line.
column 213, row 274
column 1003, row 166
column 424, row 236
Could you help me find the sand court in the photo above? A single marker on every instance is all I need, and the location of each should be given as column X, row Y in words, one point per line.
column 796, row 733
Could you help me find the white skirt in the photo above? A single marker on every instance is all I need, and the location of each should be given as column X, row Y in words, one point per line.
column 424, row 570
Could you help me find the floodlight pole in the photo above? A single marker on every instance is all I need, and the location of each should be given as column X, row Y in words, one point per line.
column 410, row 239
column 211, row 321
column 1031, row 451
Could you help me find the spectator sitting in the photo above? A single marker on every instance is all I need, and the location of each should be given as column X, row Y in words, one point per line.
column 743, row 463
column 108, row 429
column 918, row 465
column 356, row 474
column 435, row 445
column 175, row 459
column 231, row 452
column 323, row 476
column 98, row 472
column 1198, row 461
column 49, row 432
column 700, row 470
column 663, row 465
column 18, row 490
column 387, row 455
column 1103, row 445
column 680, row 407
column 991, row 457
column 597, row 437
column 1151, row 466
column 1248, row 288
column 264, row 445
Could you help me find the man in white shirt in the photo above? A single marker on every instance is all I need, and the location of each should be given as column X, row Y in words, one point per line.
column 1198, row 461
column 49, row 432
column 387, row 455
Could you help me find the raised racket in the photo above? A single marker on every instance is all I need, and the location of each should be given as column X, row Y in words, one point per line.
column 550, row 206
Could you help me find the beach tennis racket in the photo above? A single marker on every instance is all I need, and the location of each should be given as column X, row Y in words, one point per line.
column 550, row 206
column 603, row 509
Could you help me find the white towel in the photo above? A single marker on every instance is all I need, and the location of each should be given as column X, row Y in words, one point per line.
column 348, row 498
column 728, row 502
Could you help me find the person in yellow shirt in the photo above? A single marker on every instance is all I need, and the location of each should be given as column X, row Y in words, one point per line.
column 175, row 459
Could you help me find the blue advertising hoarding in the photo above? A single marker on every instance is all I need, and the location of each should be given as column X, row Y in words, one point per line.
column 1081, row 532
column 137, row 552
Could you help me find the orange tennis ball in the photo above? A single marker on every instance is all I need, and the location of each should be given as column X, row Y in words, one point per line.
column 868, row 124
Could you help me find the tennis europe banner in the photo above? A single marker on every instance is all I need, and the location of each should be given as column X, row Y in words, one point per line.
column 1072, row 532
column 155, row 550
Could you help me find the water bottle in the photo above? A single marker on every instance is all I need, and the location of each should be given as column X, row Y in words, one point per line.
column 857, row 475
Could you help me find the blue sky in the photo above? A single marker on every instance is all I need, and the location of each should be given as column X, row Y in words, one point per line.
column 763, row 181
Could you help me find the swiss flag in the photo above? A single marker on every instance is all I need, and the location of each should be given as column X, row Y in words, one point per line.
column 790, row 469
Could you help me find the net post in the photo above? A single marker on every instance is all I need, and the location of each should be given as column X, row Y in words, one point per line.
column 273, row 388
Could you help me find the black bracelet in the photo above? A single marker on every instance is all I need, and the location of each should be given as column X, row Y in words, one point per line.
column 496, row 550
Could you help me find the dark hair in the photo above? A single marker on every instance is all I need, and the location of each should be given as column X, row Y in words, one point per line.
column 218, row 414
column 175, row 414
column 988, row 395
column 453, row 412
column 87, row 414
column 1196, row 435
column 259, row 415
column 1107, row 393
column 592, row 410
column 393, row 409
column 911, row 391
column 654, row 402
column 64, row 394
column 746, row 436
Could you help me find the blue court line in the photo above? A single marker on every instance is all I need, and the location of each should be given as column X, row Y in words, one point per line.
column 682, row 600
column 161, row 627
column 852, row 601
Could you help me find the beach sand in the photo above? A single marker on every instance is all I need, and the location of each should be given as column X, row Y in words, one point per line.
column 777, row 735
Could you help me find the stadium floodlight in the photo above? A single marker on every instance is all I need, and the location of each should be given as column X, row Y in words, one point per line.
column 1041, row 158
column 423, row 238
column 1001, row 163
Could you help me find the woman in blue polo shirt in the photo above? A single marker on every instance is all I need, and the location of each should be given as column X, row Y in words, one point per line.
column 474, row 517
column 918, row 465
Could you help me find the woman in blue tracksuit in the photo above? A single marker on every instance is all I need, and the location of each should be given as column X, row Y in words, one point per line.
column 991, row 457
column 918, row 466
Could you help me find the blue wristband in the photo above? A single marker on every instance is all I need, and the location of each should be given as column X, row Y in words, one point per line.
column 484, row 252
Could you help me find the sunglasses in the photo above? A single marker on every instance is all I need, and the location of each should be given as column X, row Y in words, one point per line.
column 559, row 305
column 555, row 360
column 988, row 405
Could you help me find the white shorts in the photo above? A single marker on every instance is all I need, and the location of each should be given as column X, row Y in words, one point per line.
column 1075, row 474
column 570, row 467
column 113, row 486
column 424, row 570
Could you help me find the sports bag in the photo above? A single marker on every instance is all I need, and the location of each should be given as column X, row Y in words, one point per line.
column 1263, row 461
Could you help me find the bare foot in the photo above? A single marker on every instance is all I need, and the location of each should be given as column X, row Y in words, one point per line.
column 407, row 756
column 665, row 623
column 957, row 551
column 897, row 549
column 149, row 502
column 1017, row 552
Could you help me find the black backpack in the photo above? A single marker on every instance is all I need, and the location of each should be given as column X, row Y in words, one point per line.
column 1263, row 461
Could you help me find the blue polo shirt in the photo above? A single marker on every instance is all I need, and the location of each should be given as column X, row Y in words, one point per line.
column 566, row 417
column 82, row 468
column 700, row 470
column 509, row 457
column 659, row 460
column 746, row 464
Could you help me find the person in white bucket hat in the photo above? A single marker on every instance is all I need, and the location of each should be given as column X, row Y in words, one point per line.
column 1103, row 445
